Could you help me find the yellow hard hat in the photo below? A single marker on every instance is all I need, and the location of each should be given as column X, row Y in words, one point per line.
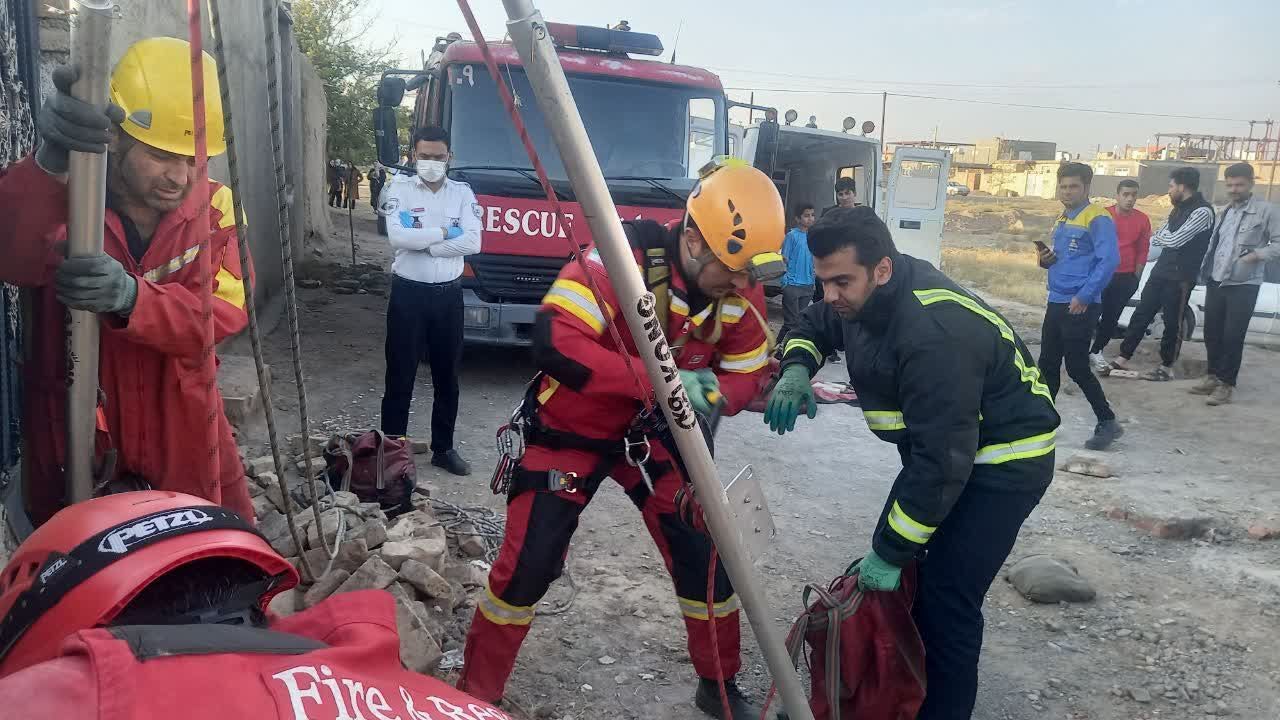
column 739, row 213
column 152, row 83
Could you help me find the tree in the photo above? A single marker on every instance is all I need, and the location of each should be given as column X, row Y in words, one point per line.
column 332, row 37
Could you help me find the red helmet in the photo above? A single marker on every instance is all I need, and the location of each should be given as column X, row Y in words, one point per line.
column 82, row 567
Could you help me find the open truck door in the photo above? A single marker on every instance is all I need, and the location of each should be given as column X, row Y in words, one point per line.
column 916, row 201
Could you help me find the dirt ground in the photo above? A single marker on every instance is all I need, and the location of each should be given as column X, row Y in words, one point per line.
column 1181, row 628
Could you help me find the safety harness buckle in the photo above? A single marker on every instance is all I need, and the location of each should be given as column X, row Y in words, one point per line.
column 558, row 481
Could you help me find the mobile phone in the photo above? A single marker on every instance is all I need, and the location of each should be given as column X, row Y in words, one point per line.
column 1041, row 246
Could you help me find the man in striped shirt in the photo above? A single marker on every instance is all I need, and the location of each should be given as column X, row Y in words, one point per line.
column 1182, row 243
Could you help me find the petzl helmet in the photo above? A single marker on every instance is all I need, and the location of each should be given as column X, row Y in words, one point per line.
column 739, row 213
column 82, row 567
column 152, row 84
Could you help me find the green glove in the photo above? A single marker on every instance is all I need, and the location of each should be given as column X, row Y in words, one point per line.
column 876, row 575
column 97, row 283
column 791, row 396
column 699, row 384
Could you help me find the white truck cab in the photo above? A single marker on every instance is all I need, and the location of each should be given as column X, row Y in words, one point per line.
column 806, row 162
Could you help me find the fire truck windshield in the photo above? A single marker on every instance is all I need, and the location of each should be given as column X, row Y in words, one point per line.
column 640, row 131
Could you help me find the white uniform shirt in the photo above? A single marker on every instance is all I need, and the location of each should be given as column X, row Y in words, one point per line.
column 416, row 217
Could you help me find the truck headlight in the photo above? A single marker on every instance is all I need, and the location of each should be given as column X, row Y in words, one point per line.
column 477, row 317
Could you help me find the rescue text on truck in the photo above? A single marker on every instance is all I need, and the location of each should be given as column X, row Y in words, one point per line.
column 652, row 126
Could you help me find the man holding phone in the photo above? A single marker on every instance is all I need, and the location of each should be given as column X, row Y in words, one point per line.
column 1080, row 264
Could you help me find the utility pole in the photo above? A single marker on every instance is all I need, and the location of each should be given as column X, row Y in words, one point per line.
column 86, row 211
column 550, row 88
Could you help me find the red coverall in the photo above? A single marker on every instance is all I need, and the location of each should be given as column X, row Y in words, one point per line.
column 150, row 370
column 358, row 675
column 587, row 390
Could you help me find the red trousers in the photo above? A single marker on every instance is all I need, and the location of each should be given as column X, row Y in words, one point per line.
column 540, row 525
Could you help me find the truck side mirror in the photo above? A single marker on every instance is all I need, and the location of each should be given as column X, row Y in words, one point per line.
column 386, row 136
column 766, row 147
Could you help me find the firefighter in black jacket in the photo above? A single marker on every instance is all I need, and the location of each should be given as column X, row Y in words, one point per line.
column 943, row 376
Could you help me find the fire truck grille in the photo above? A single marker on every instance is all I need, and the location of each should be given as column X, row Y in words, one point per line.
column 512, row 278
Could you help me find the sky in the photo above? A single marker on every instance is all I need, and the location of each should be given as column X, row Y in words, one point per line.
column 1218, row 62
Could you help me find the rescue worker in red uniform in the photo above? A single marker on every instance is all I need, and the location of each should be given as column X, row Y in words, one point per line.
column 153, row 605
column 579, row 424
column 145, row 286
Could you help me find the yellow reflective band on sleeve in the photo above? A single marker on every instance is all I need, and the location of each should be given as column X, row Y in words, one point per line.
column 1034, row 446
column 1030, row 374
column 499, row 612
column 230, row 288
column 702, row 316
column 806, row 345
column 552, row 385
column 679, row 306
column 697, row 609
column 746, row 362
column 186, row 258
column 732, row 310
column 884, row 420
column 222, row 202
column 908, row 528
column 576, row 299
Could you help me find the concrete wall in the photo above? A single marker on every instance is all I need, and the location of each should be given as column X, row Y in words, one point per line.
column 246, row 54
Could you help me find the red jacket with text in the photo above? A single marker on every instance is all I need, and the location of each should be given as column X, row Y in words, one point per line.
column 336, row 661
column 155, row 384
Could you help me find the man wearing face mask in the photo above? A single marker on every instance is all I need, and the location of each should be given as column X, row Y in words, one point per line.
column 145, row 286
column 942, row 376
column 432, row 223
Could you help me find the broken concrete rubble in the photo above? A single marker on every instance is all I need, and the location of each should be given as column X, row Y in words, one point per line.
column 374, row 574
column 426, row 580
column 325, row 586
column 428, row 552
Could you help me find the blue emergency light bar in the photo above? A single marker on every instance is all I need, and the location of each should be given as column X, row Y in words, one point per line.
column 583, row 37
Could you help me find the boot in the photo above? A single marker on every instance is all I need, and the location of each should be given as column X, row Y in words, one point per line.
column 1221, row 395
column 1106, row 432
column 1206, row 386
column 452, row 462
column 708, row 700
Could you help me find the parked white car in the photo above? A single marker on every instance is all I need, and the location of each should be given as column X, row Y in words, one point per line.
column 1264, row 328
column 955, row 188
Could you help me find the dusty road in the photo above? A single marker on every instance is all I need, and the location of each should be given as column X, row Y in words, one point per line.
column 1182, row 628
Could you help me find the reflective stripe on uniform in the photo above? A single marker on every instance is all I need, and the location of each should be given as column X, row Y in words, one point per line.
column 577, row 300
column 746, row 362
column 222, row 201
column 731, row 311
column 499, row 612
column 174, row 265
column 230, row 288
column 552, row 385
column 702, row 316
column 908, row 527
column 884, row 419
column 1034, row 446
column 806, row 345
column 1030, row 374
column 697, row 609
column 679, row 306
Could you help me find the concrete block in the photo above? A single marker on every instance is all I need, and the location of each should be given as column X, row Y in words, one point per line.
column 431, row 553
column 426, row 580
column 375, row 533
column 374, row 574
column 351, row 556
column 259, row 466
column 238, row 383
column 286, row 603
column 325, row 586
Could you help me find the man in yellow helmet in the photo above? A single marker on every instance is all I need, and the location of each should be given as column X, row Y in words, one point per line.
column 145, row 286
column 579, row 420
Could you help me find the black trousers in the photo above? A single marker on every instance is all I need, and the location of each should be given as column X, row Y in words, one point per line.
column 1227, row 311
column 1114, row 298
column 335, row 197
column 1065, row 340
column 1167, row 296
column 795, row 298
column 423, row 320
column 960, row 562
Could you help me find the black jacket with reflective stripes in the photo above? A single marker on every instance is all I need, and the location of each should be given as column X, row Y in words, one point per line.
column 944, row 377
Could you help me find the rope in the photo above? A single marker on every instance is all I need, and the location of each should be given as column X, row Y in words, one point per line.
column 250, row 304
column 270, row 17
column 201, row 194
column 711, row 629
column 575, row 249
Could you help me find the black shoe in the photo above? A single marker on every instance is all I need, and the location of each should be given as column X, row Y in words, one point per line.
column 708, row 700
column 833, row 357
column 1107, row 432
column 452, row 462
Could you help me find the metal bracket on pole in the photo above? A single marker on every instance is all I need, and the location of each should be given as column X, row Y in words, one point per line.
column 751, row 512
column 87, row 194
column 532, row 40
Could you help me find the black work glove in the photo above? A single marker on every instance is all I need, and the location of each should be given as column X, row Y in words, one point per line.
column 97, row 283
column 67, row 124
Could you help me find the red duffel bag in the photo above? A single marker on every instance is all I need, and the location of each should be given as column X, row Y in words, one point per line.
column 866, row 660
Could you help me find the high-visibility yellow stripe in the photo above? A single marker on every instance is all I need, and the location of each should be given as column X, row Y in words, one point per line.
column 174, row 265
column 746, row 362
column 884, row 420
column 702, row 316
column 498, row 612
column 732, row 310
column 1029, row 374
column 908, row 527
column 578, row 300
column 230, row 288
column 678, row 305
column 697, row 609
column 222, row 202
column 552, row 385
column 1034, row 446
column 806, row 345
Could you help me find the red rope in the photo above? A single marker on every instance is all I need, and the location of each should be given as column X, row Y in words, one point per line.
column 505, row 93
column 201, row 196
column 715, row 642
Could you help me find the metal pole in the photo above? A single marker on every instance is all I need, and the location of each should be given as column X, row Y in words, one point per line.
column 1275, row 158
column 86, row 210
column 879, row 168
column 551, row 89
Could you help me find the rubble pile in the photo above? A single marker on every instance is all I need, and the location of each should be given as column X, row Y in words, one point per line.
column 433, row 568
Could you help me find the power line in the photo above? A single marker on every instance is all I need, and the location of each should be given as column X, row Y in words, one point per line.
column 988, row 86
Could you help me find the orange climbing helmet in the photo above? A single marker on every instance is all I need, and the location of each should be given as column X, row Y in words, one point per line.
column 739, row 213
column 88, row 562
